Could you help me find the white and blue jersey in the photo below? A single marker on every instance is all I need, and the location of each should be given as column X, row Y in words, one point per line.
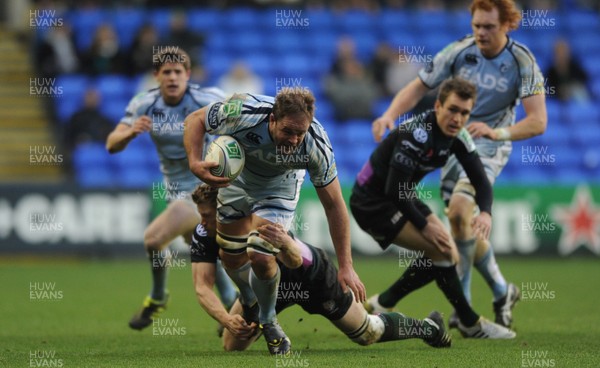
column 246, row 118
column 269, row 185
column 501, row 81
column 167, row 132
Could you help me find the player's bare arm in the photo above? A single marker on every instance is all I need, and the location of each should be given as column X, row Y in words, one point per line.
column 193, row 140
column 532, row 125
column 277, row 236
column 404, row 101
column 120, row 137
column 204, row 280
column 339, row 228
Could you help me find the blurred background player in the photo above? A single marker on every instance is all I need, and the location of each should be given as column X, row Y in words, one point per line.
column 281, row 140
column 320, row 291
column 153, row 112
column 504, row 72
column 385, row 204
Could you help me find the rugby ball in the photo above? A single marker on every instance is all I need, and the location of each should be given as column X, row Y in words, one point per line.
column 228, row 153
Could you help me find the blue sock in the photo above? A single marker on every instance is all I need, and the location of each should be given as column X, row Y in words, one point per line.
column 225, row 286
column 466, row 251
column 159, row 260
column 266, row 293
column 488, row 268
column 241, row 277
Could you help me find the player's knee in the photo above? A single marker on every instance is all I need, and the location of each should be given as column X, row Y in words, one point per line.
column 369, row 332
column 458, row 219
column 152, row 242
column 264, row 266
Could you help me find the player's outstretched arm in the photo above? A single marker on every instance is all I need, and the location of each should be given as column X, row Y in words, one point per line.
column 120, row 137
column 533, row 124
column 193, row 141
column 339, row 228
column 204, row 280
column 404, row 101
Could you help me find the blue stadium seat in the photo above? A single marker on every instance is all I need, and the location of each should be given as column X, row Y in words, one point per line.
column 576, row 21
column 114, row 109
column 586, row 43
column 354, row 21
column 84, row 23
column 161, row 20
column 260, row 63
column 127, row 22
column 460, row 24
column 66, row 107
column 205, row 20
column 320, row 20
column 323, row 44
column 136, row 177
column 240, row 19
column 430, row 21
column 130, row 157
column 578, row 113
column 400, row 39
column 95, row 177
column 73, row 85
column 218, row 64
column 115, row 87
column 252, row 42
column 392, row 21
column 365, row 45
column 90, row 155
column 294, row 65
column 281, row 42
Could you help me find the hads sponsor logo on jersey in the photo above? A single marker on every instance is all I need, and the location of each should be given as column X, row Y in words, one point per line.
column 44, row 18
column 44, row 290
column 291, row 19
column 45, row 156
column 45, row 358
column 414, row 54
column 537, row 155
column 537, row 19
column 45, row 87
column 537, row 358
column 167, row 54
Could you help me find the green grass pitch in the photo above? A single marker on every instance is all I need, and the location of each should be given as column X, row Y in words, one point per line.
column 81, row 320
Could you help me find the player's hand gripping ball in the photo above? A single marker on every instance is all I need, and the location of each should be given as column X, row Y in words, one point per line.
column 228, row 153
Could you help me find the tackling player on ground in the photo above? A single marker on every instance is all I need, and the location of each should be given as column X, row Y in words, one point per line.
column 281, row 140
column 385, row 204
column 318, row 289
column 149, row 112
column 504, row 72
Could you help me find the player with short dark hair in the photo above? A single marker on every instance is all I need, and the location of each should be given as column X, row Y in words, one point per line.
column 282, row 140
column 386, row 205
column 160, row 112
column 315, row 288
column 505, row 72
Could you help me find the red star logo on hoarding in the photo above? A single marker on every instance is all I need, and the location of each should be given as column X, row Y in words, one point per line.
column 580, row 222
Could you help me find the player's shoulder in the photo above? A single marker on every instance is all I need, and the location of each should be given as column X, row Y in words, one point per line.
column 466, row 140
column 521, row 53
column 210, row 93
column 417, row 129
column 146, row 98
column 459, row 45
column 317, row 134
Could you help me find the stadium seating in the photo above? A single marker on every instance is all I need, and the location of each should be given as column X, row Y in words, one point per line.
column 307, row 53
